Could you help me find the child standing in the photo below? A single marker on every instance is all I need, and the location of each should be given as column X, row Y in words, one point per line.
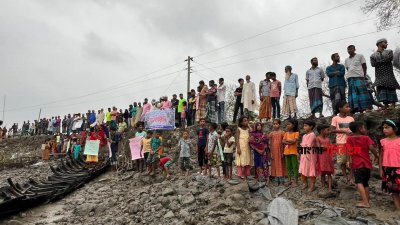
column 278, row 168
column 202, row 134
column 145, row 147
column 325, row 160
column 140, row 132
column 212, row 155
column 243, row 154
column 115, row 138
column 258, row 143
column 276, row 90
column 46, row 150
column 360, row 161
column 340, row 126
column 185, row 145
column 220, row 145
column 165, row 164
column 77, row 149
column 229, row 144
column 389, row 160
column 156, row 145
column 183, row 115
column 290, row 139
column 308, row 159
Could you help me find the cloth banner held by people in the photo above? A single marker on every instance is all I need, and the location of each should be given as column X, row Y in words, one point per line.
column 135, row 145
column 78, row 124
column 160, row 120
column 92, row 147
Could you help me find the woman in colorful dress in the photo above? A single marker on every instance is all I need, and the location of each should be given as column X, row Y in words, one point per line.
column 201, row 110
column 259, row 143
column 278, row 167
column 243, row 153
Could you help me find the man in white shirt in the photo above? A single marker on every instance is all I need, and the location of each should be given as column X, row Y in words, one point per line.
column 100, row 117
column 249, row 97
column 221, row 91
column 359, row 97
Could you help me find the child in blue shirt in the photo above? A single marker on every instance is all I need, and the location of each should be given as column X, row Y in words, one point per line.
column 153, row 158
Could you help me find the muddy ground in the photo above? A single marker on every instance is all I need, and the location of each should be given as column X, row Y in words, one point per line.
column 134, row 198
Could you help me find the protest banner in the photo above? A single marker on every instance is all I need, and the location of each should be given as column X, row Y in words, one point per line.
column 78, row 124
column 92, row 147
column 135, row 145
column 160, row 120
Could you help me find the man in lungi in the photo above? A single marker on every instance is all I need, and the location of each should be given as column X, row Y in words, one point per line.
column 337, row 83
column 265, row 98
column 359, row 97
column 314, row 78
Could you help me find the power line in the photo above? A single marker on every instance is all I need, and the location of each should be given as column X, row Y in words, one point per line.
column 288, row 41
column 216, row 72
column 202, row 75
column 106, row 98
column 275, row 28
column 93, row 93
column 173, row 80
column 297, row 49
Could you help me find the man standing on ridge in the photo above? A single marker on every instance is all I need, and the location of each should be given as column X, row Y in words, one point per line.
column 314, row 78
column 265, row 98
column 337, row 83
column 249, row 97
column 221, row 92
column 238, row 103
column 358, row 94
column 180, row 106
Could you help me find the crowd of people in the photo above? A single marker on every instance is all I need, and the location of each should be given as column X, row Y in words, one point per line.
column 209, row 100
column 276, row 156
column 284, row 155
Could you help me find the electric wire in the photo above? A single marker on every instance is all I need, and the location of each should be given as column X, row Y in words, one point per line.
column 275, row 28
column 288, row 41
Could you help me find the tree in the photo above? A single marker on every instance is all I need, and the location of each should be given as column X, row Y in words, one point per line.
column 303, row 102
column 388, row 12
column 230, row 101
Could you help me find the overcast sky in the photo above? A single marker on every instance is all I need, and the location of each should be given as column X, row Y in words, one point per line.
column 56, row 51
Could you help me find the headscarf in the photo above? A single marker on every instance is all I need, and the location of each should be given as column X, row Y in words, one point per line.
column 255, row 128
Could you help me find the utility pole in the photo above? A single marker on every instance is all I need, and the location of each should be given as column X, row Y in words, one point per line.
column 188, row 70
column 4, row 105
column 40, row 112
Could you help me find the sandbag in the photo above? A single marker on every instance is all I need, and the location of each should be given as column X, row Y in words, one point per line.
column 282, row 212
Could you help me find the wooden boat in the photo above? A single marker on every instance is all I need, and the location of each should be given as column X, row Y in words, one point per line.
column 66, row 177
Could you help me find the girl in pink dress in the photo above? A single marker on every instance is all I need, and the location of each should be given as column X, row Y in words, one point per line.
column 308, row 158
column 389, row 160
column 325, row 161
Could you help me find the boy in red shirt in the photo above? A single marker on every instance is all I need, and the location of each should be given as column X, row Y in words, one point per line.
column 165, row 164
column 358, row 146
